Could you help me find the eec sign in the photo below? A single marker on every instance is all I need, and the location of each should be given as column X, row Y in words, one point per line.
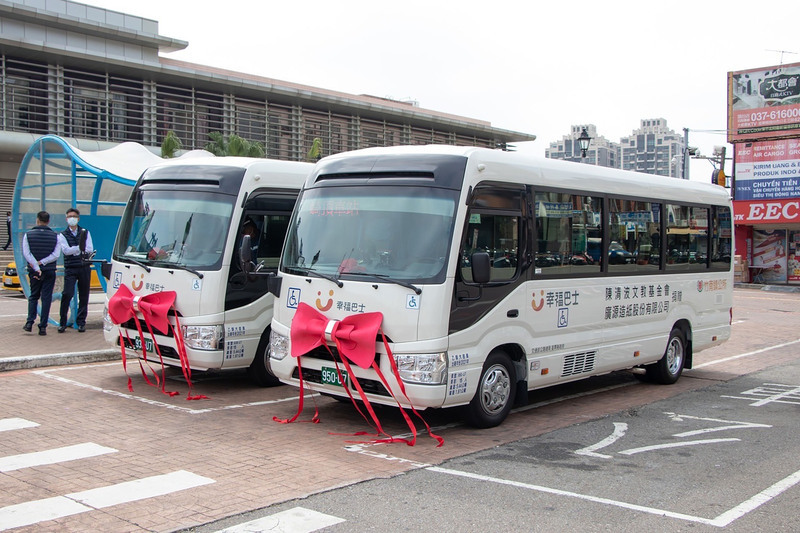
column 773, row 212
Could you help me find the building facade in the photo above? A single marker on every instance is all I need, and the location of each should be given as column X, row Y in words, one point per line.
column 601, row 152
column 652, row 149
column 97, row 77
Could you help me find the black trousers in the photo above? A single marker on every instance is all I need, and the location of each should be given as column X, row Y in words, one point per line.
column 82, row 276
column 41, row 288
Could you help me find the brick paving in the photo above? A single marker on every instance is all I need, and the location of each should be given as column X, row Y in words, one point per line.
column 256, row 462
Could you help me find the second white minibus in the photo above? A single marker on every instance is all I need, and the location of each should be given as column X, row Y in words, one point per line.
column 497, row 273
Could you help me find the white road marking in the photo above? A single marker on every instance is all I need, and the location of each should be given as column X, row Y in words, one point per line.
column 56, row 455
column 49, row 374
column 720, row 521
column 733, row 424
column 741, row 355
column 632, row 451
column 33, row 512
column 619, row 431
column 770, row 393
column 9, row 424
column 297, row 520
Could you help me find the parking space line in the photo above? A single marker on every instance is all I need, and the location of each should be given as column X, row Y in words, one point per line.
column 55, row 455
column 49, row 375
column 297, row 520
column 10, row 424
column 741, row 355
column 558, row 492
column 722, row 520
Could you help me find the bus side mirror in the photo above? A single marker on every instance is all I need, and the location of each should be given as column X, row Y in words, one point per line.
column 105, row 269
column 246, row 255
column 481, row 268
column 274, row 285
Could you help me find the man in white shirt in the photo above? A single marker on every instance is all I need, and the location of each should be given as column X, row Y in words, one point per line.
column 41, row 250
column 76, row 245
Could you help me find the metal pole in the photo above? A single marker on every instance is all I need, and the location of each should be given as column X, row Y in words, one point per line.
column 685, row 169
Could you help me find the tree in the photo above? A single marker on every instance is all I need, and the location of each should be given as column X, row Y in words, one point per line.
column 315, row 152
column 233, row 146
column 170, row 145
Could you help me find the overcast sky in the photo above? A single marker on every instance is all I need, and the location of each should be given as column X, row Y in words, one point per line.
column 533, row 67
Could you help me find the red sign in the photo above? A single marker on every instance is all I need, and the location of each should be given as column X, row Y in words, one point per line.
column 766, row 212
column 764, row 103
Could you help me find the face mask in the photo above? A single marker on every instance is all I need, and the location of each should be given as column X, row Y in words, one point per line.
column 72, row 221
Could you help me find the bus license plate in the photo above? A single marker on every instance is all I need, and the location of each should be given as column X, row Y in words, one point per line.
column 331, row 377
column 148, row 344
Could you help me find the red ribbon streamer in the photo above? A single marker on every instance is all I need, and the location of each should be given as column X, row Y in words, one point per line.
column 354, row 337
column 154, row 307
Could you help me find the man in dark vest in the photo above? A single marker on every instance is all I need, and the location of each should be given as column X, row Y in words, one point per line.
column 76, row 244
column 41, row 250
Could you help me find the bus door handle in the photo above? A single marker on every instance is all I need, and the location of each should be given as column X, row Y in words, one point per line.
column 514, row 313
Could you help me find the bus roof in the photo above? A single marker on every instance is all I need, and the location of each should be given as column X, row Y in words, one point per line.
column 496, row 165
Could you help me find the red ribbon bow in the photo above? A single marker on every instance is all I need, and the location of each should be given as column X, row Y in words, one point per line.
column 154, row 307
column 354, row 337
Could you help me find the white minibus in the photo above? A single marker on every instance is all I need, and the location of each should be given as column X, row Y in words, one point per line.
column 181, row 231
column 498, row 273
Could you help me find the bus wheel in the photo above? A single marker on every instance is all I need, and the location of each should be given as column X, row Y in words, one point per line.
column 258, row 370
column 668, row 369
column 495, row 395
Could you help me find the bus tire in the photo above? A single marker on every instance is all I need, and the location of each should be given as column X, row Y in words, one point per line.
column 496, row 391
column 668, row 369
column 259, row 369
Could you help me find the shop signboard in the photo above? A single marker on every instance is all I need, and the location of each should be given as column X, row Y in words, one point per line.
column 764, row 103
column 767, row 170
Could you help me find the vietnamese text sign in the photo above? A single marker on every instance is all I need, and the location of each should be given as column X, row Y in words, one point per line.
column 768, row 170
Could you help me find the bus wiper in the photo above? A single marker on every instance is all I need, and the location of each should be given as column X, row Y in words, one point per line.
column 126, row 259
column 387, row 278
column 188, row 269
column 338, row 283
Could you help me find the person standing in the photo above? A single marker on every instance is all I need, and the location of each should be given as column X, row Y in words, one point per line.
column 76, row 244
column 41, row 250
column 8, row 226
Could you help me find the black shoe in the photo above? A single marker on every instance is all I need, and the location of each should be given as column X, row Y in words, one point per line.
column 42, row 331
column 28, row 327
column 81, row 329
column 62, row 329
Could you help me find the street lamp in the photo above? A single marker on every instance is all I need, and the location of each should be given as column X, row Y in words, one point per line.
column 584, row 141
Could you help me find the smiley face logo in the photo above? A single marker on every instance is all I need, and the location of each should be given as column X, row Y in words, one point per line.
column 328, row 305
column 137, row 286
column 538, row 306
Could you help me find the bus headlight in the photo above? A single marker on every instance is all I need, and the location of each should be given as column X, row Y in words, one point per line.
column 203, row 337
column 108, row 325
column 427, row 369
column 278, row 346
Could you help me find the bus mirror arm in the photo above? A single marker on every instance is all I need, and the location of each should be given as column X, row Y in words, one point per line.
column 481, row 274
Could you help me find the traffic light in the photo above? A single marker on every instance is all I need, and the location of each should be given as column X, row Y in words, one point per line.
column 718, row 177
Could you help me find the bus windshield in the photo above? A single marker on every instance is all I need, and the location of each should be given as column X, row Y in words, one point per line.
column 401, row 233
column 175, row 228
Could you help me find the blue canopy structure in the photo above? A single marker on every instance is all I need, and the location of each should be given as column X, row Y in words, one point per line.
column 54, row 176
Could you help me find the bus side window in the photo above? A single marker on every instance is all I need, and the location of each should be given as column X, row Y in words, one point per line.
column 498, row 235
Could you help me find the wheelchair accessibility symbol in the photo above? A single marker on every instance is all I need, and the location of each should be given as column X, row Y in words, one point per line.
column 563, row 317
column 412, row 301
column 293, row 298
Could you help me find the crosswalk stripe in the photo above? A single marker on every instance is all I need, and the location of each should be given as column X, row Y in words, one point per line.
column 56, row 455
column 8, row 424
column 33, row 512
column 25, row 514
column 296, row 520
column 139, row 489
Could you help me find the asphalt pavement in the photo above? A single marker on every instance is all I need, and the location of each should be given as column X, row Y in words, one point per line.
column 20, row 349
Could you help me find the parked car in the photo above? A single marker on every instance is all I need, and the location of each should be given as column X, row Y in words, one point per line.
column 617, row 255
column 11, row 277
